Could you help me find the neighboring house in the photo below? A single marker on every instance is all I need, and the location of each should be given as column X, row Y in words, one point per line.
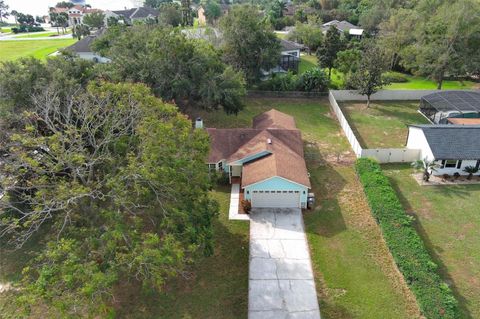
column 289, row 59
column 267, row 160
column 75, row 13
column 344, row 27
column 130, row 16
column 441, row 107
column 82, row 48
column 452, row 147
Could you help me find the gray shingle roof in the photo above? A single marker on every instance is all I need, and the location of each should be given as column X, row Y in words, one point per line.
column 455, row 142
column 453, row 101
column 340, row 25
column 82, row 45
column 138, row 13
column 290, row 45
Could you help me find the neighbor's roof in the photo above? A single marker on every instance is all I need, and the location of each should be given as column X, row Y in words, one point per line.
column 459, row 101
column 138, row 13
column 273, row 133
column 454, row 142
column 340, row 25
column 464, row 121
column 82, row 45
column 274, row 119
column 290, row 45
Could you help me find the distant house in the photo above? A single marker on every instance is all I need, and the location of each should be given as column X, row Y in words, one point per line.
column 344, row 27
column 130, row 16
column 83, row 49
column 75, row 13
column 289, row 59
column 442, row 107
column 451, row 147
column 266, row 160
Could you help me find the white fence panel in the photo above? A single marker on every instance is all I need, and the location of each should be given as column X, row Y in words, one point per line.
column 352, row 139
column 392, row 155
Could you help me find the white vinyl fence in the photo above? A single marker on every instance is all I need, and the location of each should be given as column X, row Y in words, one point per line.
column 383, row 155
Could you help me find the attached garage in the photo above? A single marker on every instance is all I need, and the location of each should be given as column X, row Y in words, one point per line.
column 276, row 192
column 276, row 198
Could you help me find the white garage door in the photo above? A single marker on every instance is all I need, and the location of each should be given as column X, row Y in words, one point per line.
column 275, row 199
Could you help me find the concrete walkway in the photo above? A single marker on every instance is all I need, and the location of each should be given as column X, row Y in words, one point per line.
column 234, row 204
column 281, row 283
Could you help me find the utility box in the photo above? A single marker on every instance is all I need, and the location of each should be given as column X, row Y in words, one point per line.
column 310, row 200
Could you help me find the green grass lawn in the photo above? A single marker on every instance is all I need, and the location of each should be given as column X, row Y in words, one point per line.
column 420, row 83
column 281, row 35
column 354, row 271
column 383, row 124
column 12, row 50
column 40, row 35
column 5, row 30
column 448, row 219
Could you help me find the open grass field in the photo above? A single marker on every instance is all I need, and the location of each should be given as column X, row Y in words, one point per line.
column 448, row 219
column 5, row 30
column 383, row 124
column 354, row 271
column 12, row 50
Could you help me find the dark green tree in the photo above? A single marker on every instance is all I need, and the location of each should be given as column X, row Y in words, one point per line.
column 156, row 4
column 3, row 10
column 94, row 20
column 367, row 79
column 327, row 52
column 250, row 45
column 170, row 15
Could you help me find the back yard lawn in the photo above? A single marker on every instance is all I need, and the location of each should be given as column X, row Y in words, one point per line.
column 383, row 124
column 40, row 49
column 354, row 271
column 448, row 219
column 420, row 83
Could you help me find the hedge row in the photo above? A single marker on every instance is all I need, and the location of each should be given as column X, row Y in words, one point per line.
column 434, row 297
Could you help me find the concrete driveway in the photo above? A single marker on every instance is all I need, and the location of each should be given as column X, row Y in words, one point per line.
column 281, row 283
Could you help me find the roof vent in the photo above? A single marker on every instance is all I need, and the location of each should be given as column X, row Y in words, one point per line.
column 269, row 140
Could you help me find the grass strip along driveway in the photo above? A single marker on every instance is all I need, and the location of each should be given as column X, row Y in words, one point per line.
column 434, row 297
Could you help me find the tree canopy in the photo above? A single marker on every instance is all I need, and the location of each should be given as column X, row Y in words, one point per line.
column 114, row 181
column 94, row 20
column 249, row 43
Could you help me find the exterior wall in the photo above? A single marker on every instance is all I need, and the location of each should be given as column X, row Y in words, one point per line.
column 202, row 20
column 236, row 170
column 280, row 184
column 453, row 170
column 91, row 56
column 416, row 140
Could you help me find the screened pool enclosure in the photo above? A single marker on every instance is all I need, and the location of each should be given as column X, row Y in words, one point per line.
column 440, row 106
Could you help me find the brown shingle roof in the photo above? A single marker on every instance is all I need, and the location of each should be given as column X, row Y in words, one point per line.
column 274, row 119
column 285, row 158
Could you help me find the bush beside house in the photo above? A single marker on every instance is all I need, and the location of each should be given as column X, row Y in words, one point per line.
column 434, row 297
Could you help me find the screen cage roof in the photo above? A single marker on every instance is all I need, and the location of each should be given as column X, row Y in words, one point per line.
column 460, row 101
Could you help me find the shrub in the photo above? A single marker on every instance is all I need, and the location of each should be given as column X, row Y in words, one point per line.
column 280, row 82
column 247, row 206
column 456, row 175
column 446, row 177
column 313, row 80
column 434, row 297
column 394, row 77
column 27, row 28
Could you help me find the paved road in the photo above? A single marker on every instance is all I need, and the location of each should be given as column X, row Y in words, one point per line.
column 281, row 283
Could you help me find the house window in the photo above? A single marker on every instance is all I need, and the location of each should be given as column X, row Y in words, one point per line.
column 220, row 166
column 211, row 167
column 477, row 166
column 459, row 164
column 449, row 163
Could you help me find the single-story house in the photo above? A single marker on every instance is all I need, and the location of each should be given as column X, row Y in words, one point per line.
column 266, row 159
column 344, row 27
column 83, row 49
column 440, row 107
column 452, row 147
column 289, row 59
column 130, row 16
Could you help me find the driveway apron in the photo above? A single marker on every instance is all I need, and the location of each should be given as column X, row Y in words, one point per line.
column 281, row 283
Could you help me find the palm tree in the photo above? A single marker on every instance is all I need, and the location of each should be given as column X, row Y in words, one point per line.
column 14, row 14
column 470, row 170
column 426, row 166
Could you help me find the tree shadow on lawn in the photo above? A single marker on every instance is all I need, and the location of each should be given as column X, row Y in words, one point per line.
column 213, row 287
column 432, row 249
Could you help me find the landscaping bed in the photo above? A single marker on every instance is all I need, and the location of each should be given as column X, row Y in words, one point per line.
column 384, row 123
column 419, row 270
column 447, row 218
